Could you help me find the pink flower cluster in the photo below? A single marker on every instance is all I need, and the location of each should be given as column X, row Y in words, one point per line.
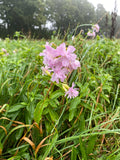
column 5, row 51
column 91, row 34
column 60, row 61
column 72, row 92
column 95, row 28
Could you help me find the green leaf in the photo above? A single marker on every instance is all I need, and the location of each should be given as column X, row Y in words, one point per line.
column 1, row 148
column 16, row 107
column 72, row 113
column 93, row 98
column 57, row 101
column 82, row 123
column 56, row 94
column 85, row 105
column 91, row 144
column 74, row 103
column 82, row 149
column 107, row 87
column 73, row 154
column 73, row 107
column 46, row 91
column 52, row 104
column 19, row 133
column 105, row 97
column 99, row 107
column 5, row 83
column 39, row 109
column 30, row 109
column 48, row 149
column 84, row 89
column 73, row 77
column 15, row 158
column 54, row 116
column 28, row 119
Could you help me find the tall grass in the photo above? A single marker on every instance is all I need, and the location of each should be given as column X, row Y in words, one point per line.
column 38, row 122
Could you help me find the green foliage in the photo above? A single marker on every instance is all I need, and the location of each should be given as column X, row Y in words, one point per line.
column 67, row 14
column 39, row 109
column 73, row 107
column 38, row 122
column 23, row 15
column 40, row 18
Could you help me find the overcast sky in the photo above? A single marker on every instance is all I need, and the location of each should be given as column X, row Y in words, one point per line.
column 108, row 4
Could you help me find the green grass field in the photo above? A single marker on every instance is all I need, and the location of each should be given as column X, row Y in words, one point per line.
column 37, row 122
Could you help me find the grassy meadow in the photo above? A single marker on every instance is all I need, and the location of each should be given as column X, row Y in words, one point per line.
column 37, row 121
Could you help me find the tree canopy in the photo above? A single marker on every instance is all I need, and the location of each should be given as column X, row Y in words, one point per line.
column 31, row 16
column 22, row 15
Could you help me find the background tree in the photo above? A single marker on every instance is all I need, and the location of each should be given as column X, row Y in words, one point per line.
column 117, row 29
column 114, row 20
column 101, row 18
column 32, row 16
column 66, row 14
column 22, row 15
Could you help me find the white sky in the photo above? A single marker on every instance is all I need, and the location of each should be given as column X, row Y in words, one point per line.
column 108, row 4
